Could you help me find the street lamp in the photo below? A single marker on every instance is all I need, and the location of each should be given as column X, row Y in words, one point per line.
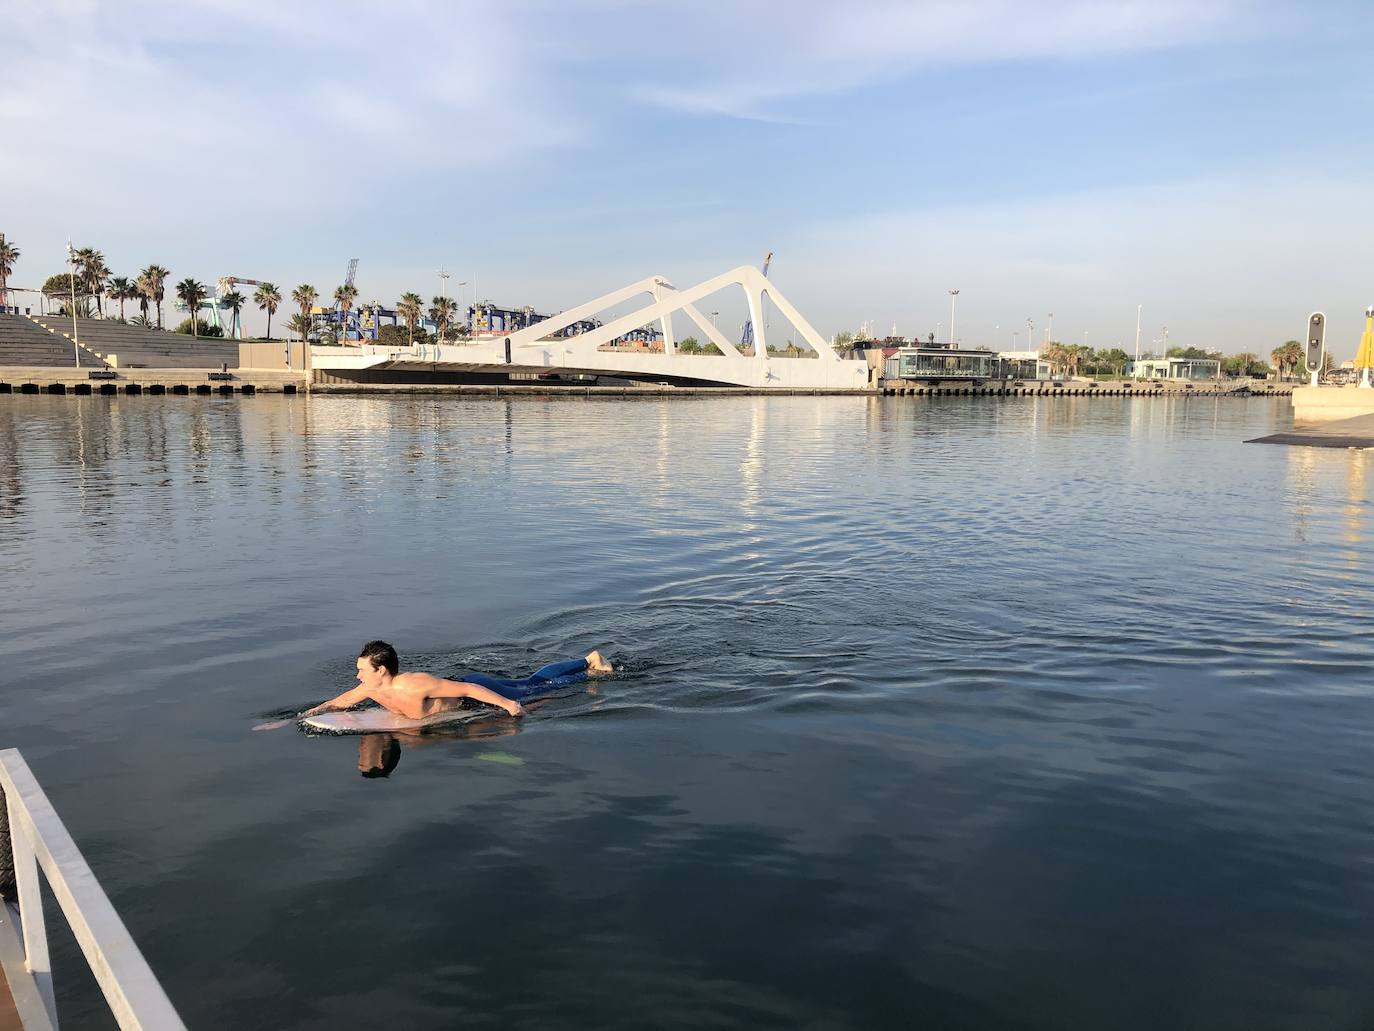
column 71, row 282
column 952, row 294
column 1049, row 330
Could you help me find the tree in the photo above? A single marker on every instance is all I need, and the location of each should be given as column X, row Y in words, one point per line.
column 305, row 297
column 1287, row 357
column 267, row 297
column 9, row 254
column 191, row 293
column 344, row 297
column 154, row 280
column 1116, row 358
column 141, row 293
column 93, row 272
column 442, row 310
column 299, row 323
column 1241, row 364
column 843, row 341
column 1191, row 352
column 234, row 301
column 394, row 336
column 689, row 345
column 122, row 290
column 61, row 288
column 198, row 328
column 410, row 307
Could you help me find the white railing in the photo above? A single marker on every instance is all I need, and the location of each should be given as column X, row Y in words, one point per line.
column 38, row 839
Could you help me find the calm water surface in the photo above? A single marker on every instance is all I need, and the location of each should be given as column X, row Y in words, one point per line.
column 965, row 714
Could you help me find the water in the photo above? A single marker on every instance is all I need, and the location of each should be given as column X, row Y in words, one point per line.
column 1022, row 713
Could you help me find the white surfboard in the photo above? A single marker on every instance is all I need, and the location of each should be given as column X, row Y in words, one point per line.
column 379, row 721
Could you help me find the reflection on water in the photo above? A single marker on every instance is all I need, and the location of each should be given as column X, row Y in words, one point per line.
column 991, row 713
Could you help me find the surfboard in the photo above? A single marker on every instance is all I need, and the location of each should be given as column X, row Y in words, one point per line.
column 379, row 721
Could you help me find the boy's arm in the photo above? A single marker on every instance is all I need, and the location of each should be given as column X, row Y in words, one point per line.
column 344, row 701
column 458, row 689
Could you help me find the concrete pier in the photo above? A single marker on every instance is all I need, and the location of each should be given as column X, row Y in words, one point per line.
column 1356, row 432
column 50, row 380
column 1331, row 403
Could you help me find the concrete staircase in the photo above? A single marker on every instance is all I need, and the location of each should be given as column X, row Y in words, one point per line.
column 24, row 343
column 126, row 347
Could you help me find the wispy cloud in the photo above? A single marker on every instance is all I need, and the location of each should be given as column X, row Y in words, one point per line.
column 748, row 60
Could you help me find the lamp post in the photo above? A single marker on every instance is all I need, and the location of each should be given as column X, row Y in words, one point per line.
column 1138, row 308
column 1049, row 329
column 71, row 282
column 953, row 340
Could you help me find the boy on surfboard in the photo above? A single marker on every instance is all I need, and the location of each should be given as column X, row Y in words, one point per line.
column 417, row 695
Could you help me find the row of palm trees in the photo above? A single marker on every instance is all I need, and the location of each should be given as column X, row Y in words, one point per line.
column 93, row 277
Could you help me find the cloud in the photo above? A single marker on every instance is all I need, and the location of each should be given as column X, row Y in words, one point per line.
column 284, row 108
column 748, row 60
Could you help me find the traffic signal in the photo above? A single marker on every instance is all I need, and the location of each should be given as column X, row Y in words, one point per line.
column 1316, row 334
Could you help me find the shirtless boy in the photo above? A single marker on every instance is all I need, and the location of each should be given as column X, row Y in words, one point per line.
column 417, row 695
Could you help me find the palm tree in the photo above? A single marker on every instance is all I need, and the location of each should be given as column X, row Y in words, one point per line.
column 410, row 307
column 9, row 254
column 267, row 297
column 441, row 310
column 142, row 292
column 305, row 297
column 344, row 297
column 299, row 324
column 154, row 278
column 234, row 302
column 190, row 293
column 122, row 290
column 1287, row 358
column 92, row 271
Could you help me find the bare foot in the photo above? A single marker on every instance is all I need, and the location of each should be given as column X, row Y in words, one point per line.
column 597, row 664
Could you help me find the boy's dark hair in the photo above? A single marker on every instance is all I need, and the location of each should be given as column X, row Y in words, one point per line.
column 379, row 653
column 391, row 755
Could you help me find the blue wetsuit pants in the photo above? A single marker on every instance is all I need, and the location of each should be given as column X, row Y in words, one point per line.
column 542, row 681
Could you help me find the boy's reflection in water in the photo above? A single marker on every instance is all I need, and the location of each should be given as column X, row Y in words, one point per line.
column 378, row 754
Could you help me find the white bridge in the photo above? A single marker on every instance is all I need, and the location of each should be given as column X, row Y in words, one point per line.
column 536, row 351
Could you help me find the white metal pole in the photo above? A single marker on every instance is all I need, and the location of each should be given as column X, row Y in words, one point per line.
column 76, row 334
column 1138, row 308
column 953, row 340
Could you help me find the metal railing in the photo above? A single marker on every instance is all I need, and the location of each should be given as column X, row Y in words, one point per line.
column 38, row 840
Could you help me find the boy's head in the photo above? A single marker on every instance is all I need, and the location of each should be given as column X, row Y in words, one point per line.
column 376, row 657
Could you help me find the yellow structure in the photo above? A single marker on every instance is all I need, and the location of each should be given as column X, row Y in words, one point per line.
column 1364, row 357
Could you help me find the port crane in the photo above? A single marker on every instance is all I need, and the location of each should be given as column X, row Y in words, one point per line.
column 226, row 286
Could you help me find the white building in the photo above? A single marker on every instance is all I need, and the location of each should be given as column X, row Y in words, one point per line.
column 1175, row 368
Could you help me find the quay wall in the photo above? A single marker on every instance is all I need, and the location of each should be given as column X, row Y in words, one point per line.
column 180, row 382
column 1328, row 403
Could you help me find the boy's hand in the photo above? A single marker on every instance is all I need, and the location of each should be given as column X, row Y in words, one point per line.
column 516, row 709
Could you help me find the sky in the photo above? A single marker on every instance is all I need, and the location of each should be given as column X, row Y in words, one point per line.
column 1211, row 163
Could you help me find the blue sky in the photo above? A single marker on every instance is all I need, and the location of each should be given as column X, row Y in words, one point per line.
column 1209, row 161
